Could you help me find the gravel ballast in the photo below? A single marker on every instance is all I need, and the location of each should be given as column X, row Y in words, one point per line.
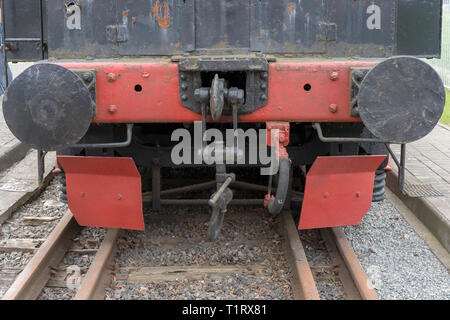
column 248, row 238
column 397, row 261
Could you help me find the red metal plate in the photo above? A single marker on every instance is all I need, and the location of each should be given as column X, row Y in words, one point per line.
column 104, row 192
column 338, row 191
column 159, row 100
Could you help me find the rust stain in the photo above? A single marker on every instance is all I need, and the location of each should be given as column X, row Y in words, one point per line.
column 125, row 13
column 262, row 32
column 291, row 8
column 163, row 20
column 133, row 19
column 178, row 44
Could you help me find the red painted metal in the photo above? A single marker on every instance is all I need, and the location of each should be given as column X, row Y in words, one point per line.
column 299, row 91
column 283, row 136
column 338, row 191
column 104, row 192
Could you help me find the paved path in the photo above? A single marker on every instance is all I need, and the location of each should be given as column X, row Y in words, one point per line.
column 11, row 150
column 428, row 159
column 428, row 162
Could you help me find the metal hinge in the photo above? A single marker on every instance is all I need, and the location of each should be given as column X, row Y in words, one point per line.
column 117, row 33
column 327, row 31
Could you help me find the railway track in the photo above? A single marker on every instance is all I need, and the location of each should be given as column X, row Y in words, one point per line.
column 103, row 275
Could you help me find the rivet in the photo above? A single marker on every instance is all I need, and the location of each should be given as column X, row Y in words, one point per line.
column 326, row 195
column 358, row 194
column 184, row 97
column 119, row 196
column 183, row 76
column 112, row 109
column 83, row 194
column 334, row 75
column 263, row 86
column 184, row 86
column 264, row 75
column 111, row 77
column 333, row 108
column 263, row 97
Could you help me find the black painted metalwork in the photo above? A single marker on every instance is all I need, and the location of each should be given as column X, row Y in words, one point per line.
column 401, row 99
column 322, row 138
column 248, row 74
column 48, row 107
column 401, row 164
column 41, row 165
column 123, row 144
column 379, row 192
column 331, row 28
column 156, row 185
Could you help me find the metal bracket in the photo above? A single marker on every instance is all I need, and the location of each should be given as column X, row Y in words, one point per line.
column 117, row 33
column 401, row 165
column 327, row 31
column 124, row 144
column 89, row 78
column 343, row 140
column 194, row 70
column 356, row 77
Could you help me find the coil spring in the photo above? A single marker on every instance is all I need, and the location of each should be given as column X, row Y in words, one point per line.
column 63, row 189
column 379, row 193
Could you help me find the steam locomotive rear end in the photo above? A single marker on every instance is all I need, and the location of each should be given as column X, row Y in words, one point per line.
column 310, row 93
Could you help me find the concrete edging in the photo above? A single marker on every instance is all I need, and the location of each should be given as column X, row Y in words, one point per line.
column 424, row 210
column 13, row 154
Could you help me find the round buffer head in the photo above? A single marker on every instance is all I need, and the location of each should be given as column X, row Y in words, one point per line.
column 48, row 107
column 401, row 99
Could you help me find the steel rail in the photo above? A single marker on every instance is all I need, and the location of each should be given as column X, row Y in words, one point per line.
column 357, row 272
column 303, row 280
column 98, row 276
column 30, row 282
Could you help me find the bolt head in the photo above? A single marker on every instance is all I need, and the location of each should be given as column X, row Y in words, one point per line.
column 263, row 97
column 111, row 77
column 264, row 75
column 184, row 97
column 333, row 108
column 184, row 86
column 263, row 86
column 112, row 109
column 334, row 75
column 183, row 76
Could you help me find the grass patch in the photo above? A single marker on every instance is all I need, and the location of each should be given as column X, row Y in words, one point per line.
column 446, row 116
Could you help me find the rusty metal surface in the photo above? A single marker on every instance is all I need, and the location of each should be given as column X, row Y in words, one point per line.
column 351, row 291
column 30, row 282
column 98, row 276
column 333, row 28
column 303, row 278
column 354, row 266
